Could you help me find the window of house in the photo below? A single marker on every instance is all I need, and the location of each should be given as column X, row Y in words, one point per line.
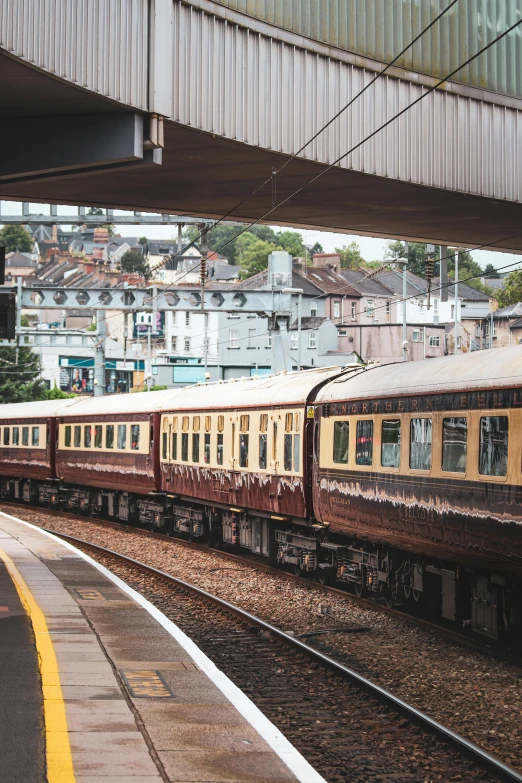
column 354, row 311
column 313, row 309
column 187, row 318
column 77, row 436
column 109, row 436
column 36, row 436
column 294, row 341
column 234, row 315
column 452, row 312
column 251, row 338
column 187, row 344
column 269, row 341
column 16, row 435
column 122, row 436
column 135, row 436
column 388, row 311
column 67, row 436
column 493, row 452
column 434, row 340
column 98, row 436
column 337, row 309
column 369, row 307
column 391, row 443
column 87, row 436
column 364, row 442
column 312, row 339
column 25, row 436
column 454, row 444
column 195, row 447
column 340, row 442
column 174, row 343
column 233, row 338
column 420, row 444
column 435, row 307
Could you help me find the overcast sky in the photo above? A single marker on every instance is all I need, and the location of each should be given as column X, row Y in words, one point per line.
column 371, row 248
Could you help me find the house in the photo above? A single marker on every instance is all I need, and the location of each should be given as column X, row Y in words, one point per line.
column 18, row 264
column 507, row 327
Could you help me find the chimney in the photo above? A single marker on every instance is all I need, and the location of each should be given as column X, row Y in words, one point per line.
column 54, row 236
column 330, row 261
column 299, row 264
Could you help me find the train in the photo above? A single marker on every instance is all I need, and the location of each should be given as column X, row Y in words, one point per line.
column 401, row 482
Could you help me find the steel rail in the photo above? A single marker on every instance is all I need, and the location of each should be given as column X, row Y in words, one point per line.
column 469, row 749
column 368, row 603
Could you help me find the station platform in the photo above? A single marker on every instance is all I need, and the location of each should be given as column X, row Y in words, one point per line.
column 97, row 685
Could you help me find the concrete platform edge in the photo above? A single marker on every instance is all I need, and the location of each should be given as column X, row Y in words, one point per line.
column 290, row 756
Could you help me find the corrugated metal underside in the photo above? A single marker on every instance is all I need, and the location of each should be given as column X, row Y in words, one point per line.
column 237, row 83
column 382, row 28
column 100, row 45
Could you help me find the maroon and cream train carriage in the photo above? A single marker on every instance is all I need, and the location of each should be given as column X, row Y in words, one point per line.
column 107, row 451
column 243, row 449
column 27, row 434
column 425, row 459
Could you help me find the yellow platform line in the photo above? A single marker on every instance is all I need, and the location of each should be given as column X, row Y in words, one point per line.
column 57, row 747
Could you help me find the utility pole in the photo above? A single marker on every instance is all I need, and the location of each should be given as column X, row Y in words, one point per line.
column 404, row 297
column 99, row 355
column 456, row 299
column 299, row 302
column 443, row 273
column 203, row 249
column 18, row 324
column 149, row 357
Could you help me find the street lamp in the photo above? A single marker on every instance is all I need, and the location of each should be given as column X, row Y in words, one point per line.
column 404, row 263
column 299, row 292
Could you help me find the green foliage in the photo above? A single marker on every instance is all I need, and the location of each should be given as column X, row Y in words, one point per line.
column 292, row 242
column 511, row 293
column 490, row 271
column 108, row 226
column 91, row 328
column 154, row 388
column 351, row 256
column 133, row 262
column 20, row 382
column 143, row 240
column 16, row 238
column 253, row 254
column 317, row 248
column 57, row 394
column 416, row 255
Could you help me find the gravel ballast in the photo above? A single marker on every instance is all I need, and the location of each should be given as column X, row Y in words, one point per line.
column 471, row 693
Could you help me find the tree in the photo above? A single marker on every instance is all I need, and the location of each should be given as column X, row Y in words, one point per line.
column 292, row 242
column 20, row 381
column 133, row 263
column 16, row 238
column 350, row 256
column 108, row 226
column 317, row 248
column 226, row 240
column 490, row 271
column 416, row 255
column 511, row 292
column 253, row 254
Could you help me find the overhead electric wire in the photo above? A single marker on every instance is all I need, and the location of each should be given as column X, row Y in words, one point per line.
column 349, row 152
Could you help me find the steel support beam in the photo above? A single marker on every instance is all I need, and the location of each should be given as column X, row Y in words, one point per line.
column 52, row 146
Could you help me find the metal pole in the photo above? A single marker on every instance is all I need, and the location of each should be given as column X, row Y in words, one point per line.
column 404, row 295
column 19, row 316
column 491, row 332
column 299, row 302
column 99, row 355
column 180, row 241
column 456, row 300
column 203, row 249
column 149, row 359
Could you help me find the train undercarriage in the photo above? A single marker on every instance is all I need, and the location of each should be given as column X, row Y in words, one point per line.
column 485, row 603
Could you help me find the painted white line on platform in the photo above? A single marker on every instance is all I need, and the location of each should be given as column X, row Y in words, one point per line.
column 300, row 767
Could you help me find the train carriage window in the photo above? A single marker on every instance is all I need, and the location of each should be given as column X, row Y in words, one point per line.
column 195, row 423
column 219, row 448
column 109, row 436
column 98, row 436
column 420, row 444
column 87, row 436
column 221, row 423
column 174, row 451
column 67, row 436
column 262, row 450
column 135, row 437
column 454, row 444
column 274, row 443
column 244, row 426
column 7, row 432
column 206, row 453
column 208, row 423
column 263, row 422
column 16, row 435
column 391, row 443
column 77, row 437
column 122, row 436
column 184, row 446
column 297, row 453
column 287, row 453
column 25, row 436
column 289, row 422
column 340, row 442
column 165, row 444
column 36, row 436
column 364, row 442
column 493, row 453
column 195, row 446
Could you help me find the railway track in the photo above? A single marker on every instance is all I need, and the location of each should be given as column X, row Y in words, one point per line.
column 503, row 651
column 348, row 728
